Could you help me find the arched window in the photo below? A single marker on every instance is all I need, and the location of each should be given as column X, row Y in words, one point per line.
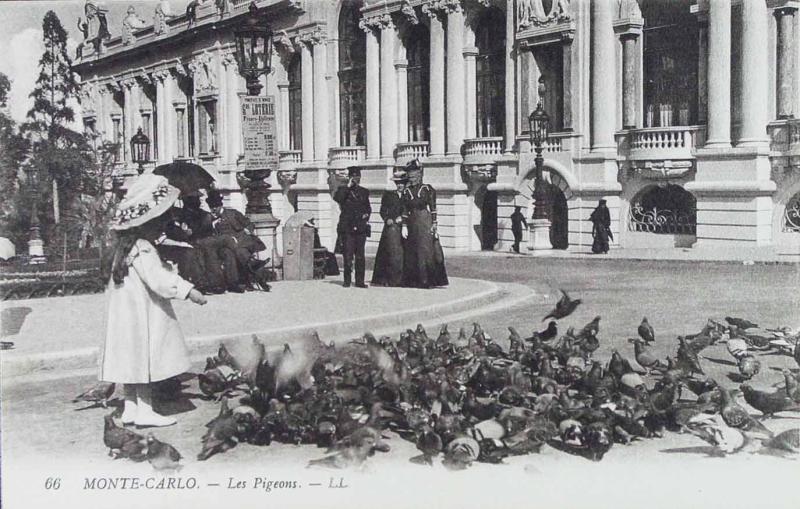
column 418, row 79
column 352, row 76
column 295, row 103
column 670, row 63
column 490, row 39
column 665, row 210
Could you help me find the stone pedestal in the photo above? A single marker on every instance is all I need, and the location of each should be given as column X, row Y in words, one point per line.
column 539, row 238
column 36, row 251
column 259, row 209
column 266, row 229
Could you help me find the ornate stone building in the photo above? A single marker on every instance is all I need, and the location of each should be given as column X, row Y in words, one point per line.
column 681, row 114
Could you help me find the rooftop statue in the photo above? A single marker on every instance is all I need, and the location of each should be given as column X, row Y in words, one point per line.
column 95, row 28
column 131, row 23
column 162, row 14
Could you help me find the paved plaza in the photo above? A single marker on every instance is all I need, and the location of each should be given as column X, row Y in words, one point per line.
column 42, row 429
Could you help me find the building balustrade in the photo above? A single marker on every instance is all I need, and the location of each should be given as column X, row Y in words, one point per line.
column 289, row 158
column 483, row 146
column 345, row 156
column 405, row 152
column 564, row 141
column 660, row 142
column 784, row 135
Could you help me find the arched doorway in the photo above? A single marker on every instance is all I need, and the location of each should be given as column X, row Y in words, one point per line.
column 489, row 221
column 558, row 196
column 559, row 217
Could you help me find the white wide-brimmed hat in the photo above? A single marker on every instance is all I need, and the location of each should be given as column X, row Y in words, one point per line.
column 148, row 197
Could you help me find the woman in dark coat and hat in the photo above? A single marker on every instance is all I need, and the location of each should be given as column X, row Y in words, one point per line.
column 388, row 269
column 601, row 228
column 423, row 266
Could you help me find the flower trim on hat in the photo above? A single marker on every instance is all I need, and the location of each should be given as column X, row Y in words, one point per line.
column 122, row 216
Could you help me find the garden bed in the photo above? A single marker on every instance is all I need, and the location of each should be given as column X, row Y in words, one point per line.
column 23, row 281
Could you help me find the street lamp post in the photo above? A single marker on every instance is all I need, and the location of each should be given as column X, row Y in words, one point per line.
column 35, row 242
column 253, row 49
column 140, row 150
column 539, row 131
column 253, row 39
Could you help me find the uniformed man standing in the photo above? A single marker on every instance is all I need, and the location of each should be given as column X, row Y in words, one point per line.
column 353, row 226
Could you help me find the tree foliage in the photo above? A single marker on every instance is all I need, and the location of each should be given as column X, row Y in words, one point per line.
column 13, row 151
column 58, row 153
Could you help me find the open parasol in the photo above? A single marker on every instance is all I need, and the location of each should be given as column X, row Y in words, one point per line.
column 186, row 176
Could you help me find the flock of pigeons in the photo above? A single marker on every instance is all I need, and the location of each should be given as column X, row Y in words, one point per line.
column 466, row 398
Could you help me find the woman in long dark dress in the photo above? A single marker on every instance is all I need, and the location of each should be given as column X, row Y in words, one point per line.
column 601, row 228
column 388, row 269
column 424, row 259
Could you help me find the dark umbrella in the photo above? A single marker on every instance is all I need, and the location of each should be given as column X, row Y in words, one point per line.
column 186, row 176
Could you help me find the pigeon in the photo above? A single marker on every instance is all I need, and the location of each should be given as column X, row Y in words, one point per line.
column 737, row 417
column 644, row 356
column 444, row 337
column 788, row 441
column 618, row 365
column 590, row 329
column 162, row 455
column 564, row 307
column 740, row 323
column 687, row 357
column 714, row 430
column 222, row 434
column 429, row 443
column 597, row 439
column 97, row 395
column 461, row 452
column 646, row 331
column 134, row 450
column 117, row 438
column 347, row 457
column 796, row 353
column 792, row 385
column 737, row 348
column 549, row 333
column 749, row 366
column 769, row 403
column 706, row 338
column 224, row 357
column 217, row 379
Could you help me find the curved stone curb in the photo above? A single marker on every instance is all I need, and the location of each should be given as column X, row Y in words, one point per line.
column 495, row 297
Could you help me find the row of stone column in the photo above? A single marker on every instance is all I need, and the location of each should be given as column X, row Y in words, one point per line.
column 169, row 111
column 452, row 88
column 716, row 72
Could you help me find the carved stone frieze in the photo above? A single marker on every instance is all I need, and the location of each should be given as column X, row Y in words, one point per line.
column 481, row 174
column 531, row 13
column 379, row 21
column 660, row 169
column 313, row 37
column 287, row 178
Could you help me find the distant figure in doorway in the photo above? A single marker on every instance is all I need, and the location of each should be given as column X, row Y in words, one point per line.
column 389, row 258
column 353, row 228
column 517, row 223
column 601, row 228
column 423, row 266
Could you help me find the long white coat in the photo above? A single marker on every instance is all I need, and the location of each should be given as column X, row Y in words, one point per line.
column 143, row 341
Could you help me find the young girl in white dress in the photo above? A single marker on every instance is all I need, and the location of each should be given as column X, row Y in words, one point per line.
column 143, row 341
